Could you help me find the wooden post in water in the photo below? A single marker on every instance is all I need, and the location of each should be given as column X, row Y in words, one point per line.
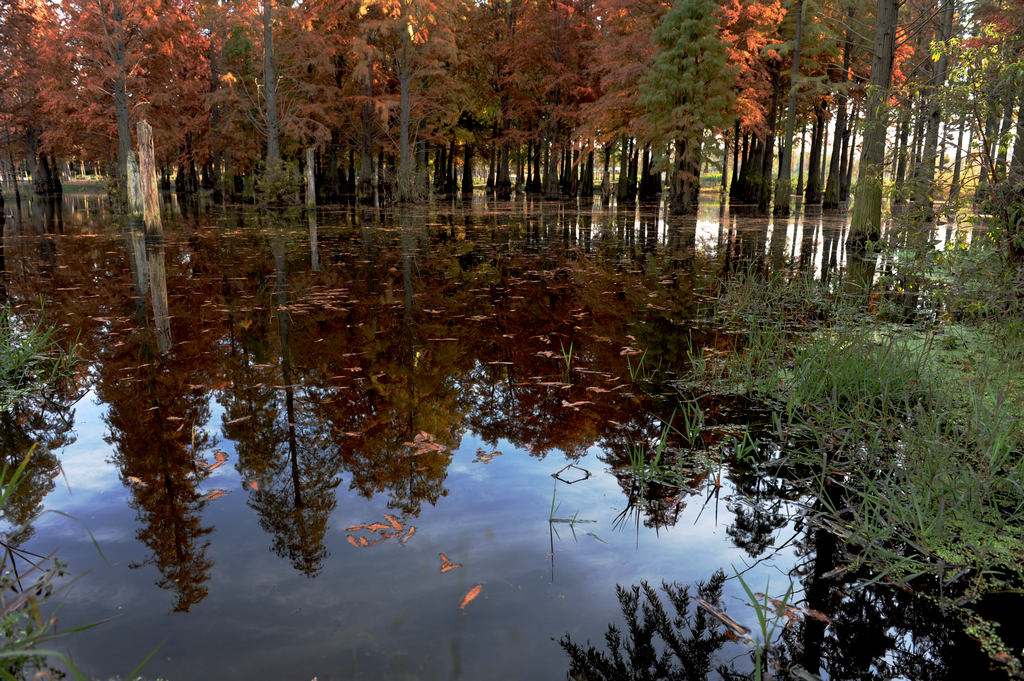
column 310, row 180
column 150, row 199
column 147, row 180
column 134, row 187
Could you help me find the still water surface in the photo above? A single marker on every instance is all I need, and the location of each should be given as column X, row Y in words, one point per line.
column 302, row 442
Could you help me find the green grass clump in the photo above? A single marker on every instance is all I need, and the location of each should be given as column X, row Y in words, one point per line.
column 31, row 360
column 910, row 435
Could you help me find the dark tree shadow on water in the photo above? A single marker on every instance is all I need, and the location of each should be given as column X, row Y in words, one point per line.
column 675, row 643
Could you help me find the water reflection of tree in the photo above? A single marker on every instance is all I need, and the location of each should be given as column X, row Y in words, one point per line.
column 410, row 387
column 154, row 422
column 41, row 422
column 659, row 643
column 285, row 452
column 153, row 427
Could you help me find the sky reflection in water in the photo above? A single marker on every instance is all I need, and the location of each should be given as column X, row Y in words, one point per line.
column 311, row 372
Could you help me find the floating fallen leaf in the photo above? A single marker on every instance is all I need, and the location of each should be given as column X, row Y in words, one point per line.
column 470, row 595
column 371, row 527
column 214, row 494
column 447, row 565
column 484, row 457
column 729, row 622
column 220, row 458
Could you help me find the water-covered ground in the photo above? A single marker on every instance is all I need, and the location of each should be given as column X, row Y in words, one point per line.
column 398, row 444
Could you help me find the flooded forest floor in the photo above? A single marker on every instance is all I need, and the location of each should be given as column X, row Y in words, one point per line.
column 751, row 453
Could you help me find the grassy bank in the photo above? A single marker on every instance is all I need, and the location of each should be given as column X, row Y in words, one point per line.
column 907, row 430
column 31, row 363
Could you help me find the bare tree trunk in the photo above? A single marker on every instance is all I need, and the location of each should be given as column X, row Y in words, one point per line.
column 310, row 179
column 866, row 221
column 925, row 175
column 270, row 88
column 467, row 169
column 783, row 186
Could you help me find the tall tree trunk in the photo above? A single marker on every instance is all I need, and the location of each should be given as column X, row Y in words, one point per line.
column 954, row 185
column 725, row 164
column 866, row 221
column 735, row 157
column 467, row 169
column 407, row 190
column 835, row 169
column 925, row 175
column 844, row 189
column 622, row 192
column 764, row 190
column 812, row 192
column 988, row 143
column 551, row 173
column 1003, row 143
column 685, row 182
column 503, row 182
column 270, row 88
column 606, row 181
column 800, row 172
column 1017, row 163
column 783, row 186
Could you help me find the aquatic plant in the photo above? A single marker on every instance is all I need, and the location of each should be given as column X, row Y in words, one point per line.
column 910, row 436
column 31, row 359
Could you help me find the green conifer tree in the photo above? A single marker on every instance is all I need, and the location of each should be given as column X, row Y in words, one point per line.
column 689, row 90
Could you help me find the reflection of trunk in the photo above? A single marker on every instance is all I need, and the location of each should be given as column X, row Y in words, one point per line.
column 140, row 273
column 284, row 327
column 314, row 252
column 158, row 288
column 860, row 274
column 818, row 592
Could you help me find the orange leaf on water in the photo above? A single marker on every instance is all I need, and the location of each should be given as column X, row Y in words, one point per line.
column 447, row 565
column 220, row 458
column 470, row 595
